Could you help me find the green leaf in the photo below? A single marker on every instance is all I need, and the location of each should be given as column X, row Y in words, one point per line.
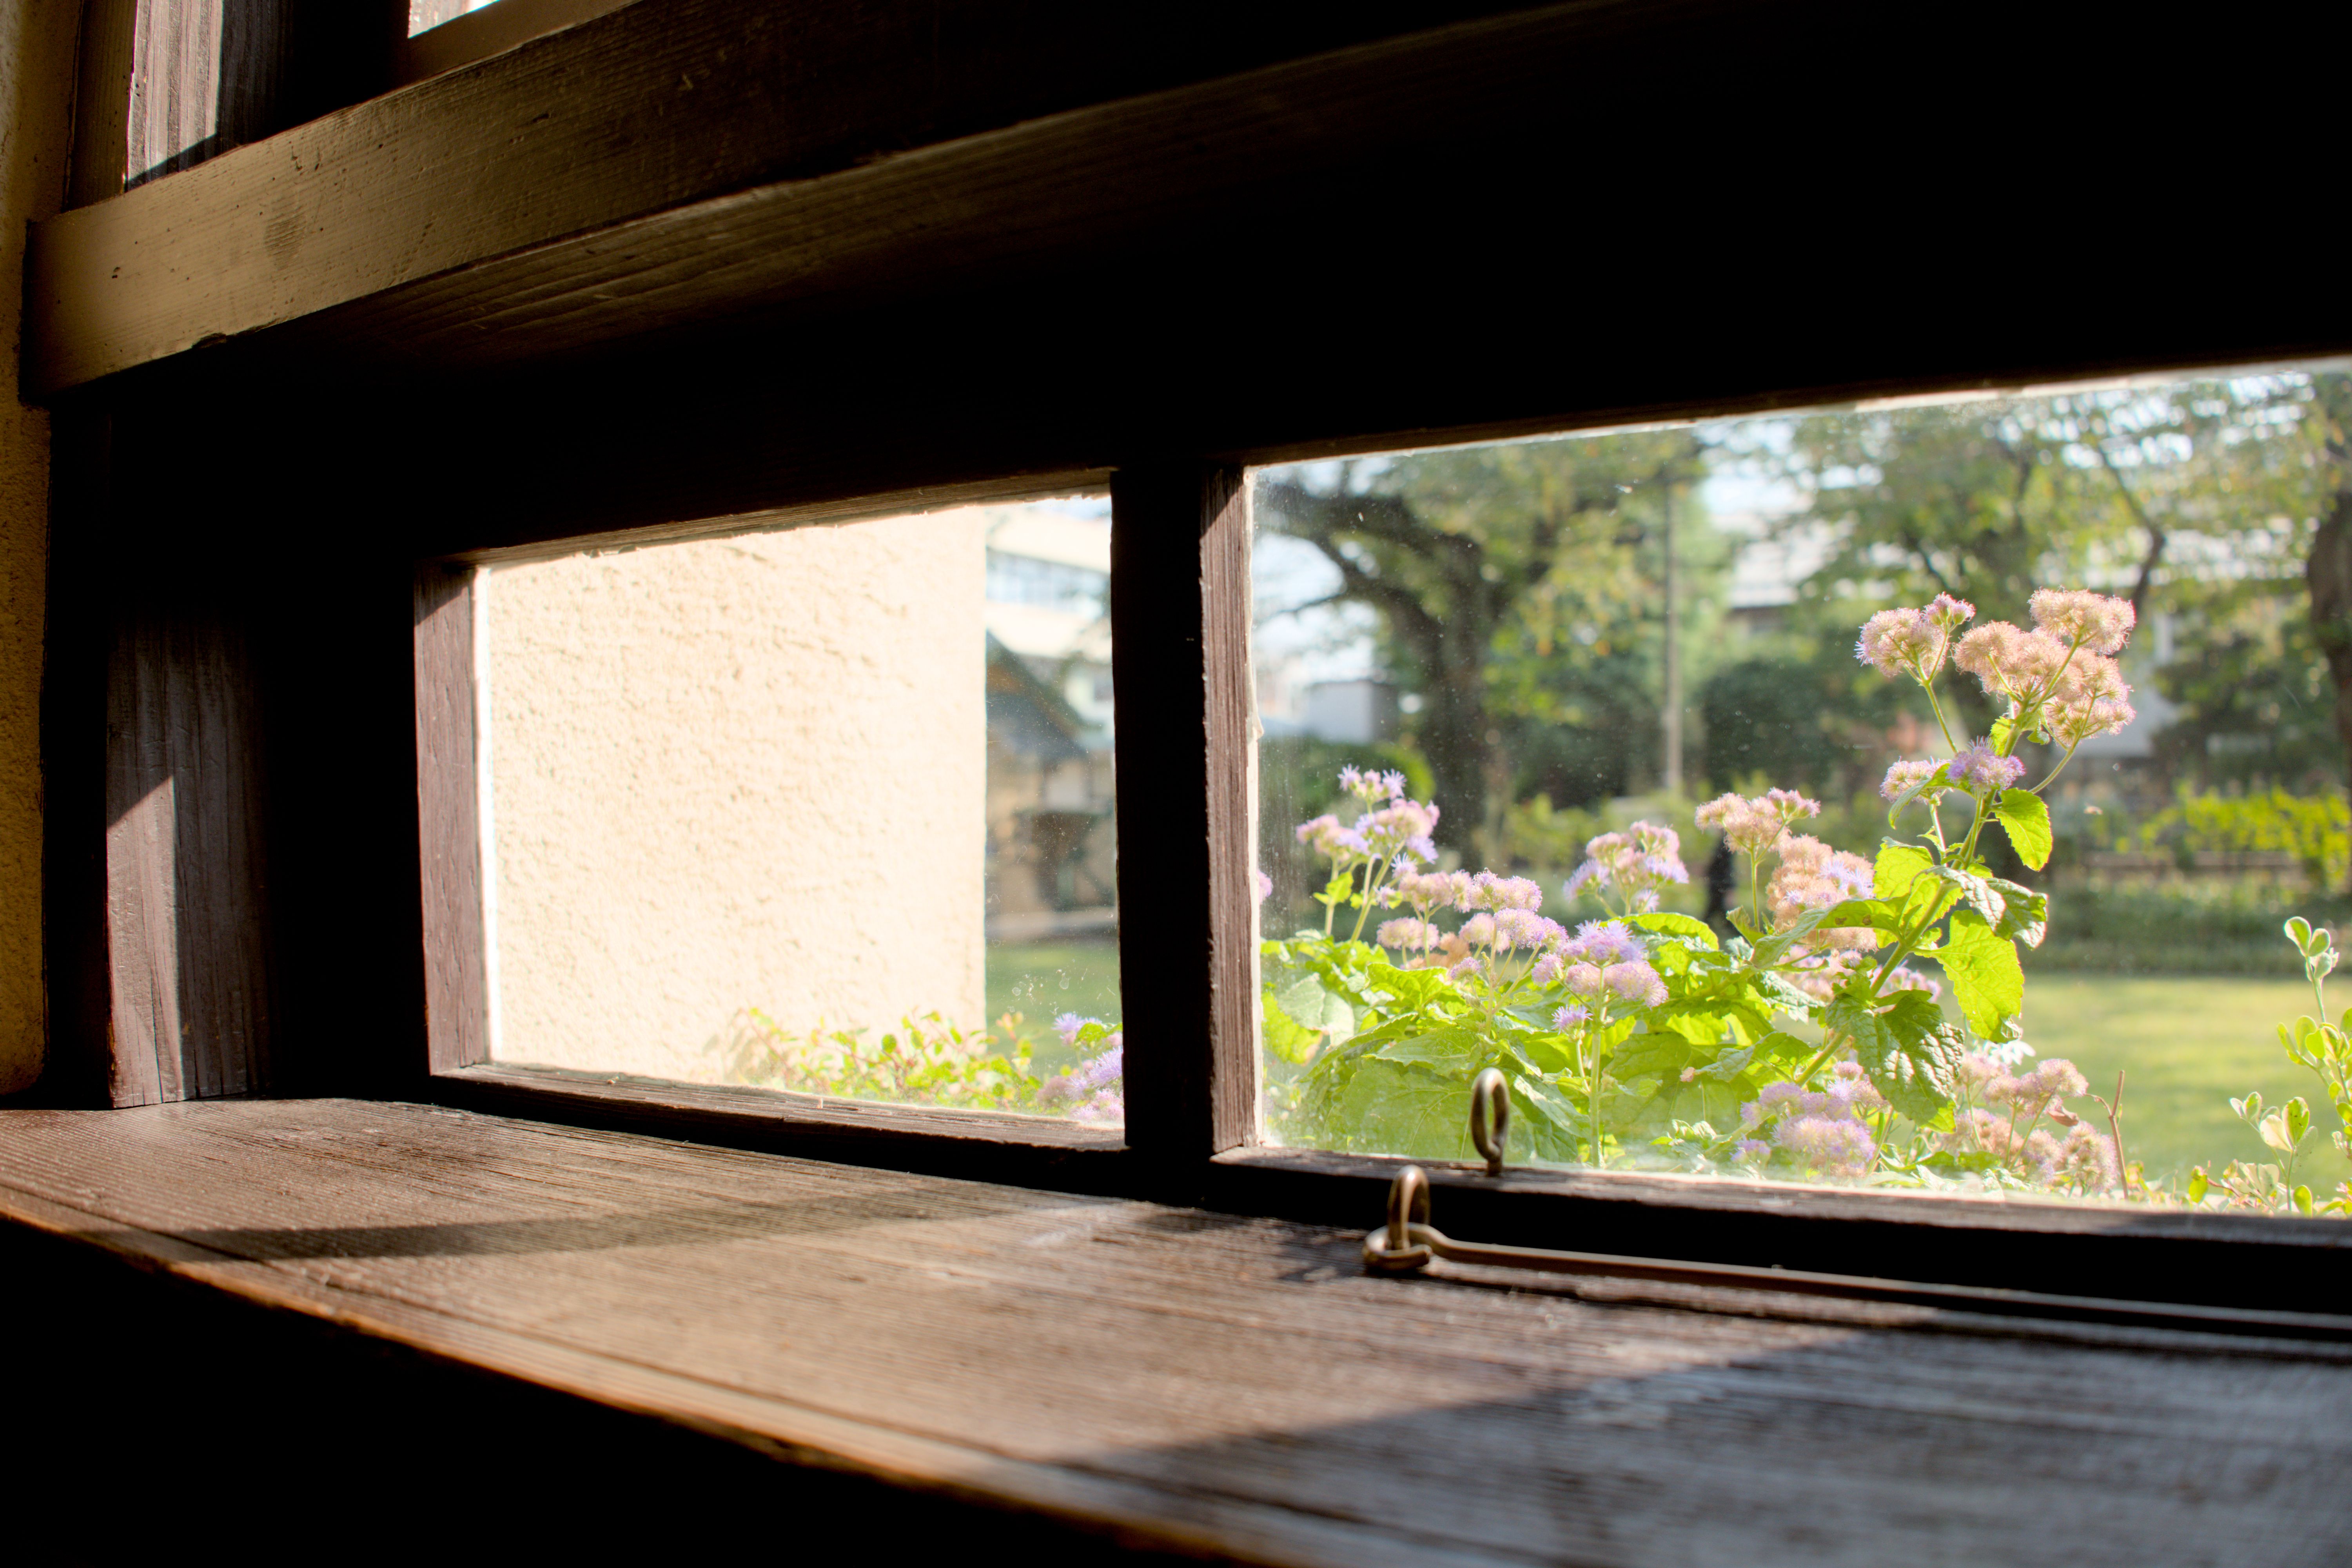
column 2002, row 729
column 1898, row 865
column 1982, row 966
column 2298, row 1120
column 1879, row 914
column 2199, row 1183
column 2303, row 1200
column 1908, row 1049
column 1308, row 1005
column 1412, row 988
column 1283, row 1035
column 1653, row 1056
column 2021, row 811
column 1770, row 947
column 2249, row 1110
column 1455, row 1049
column 1778, row 995
column 1553, row 1121
column 1784, row 1049
column 2026, row 915
column 1980, row 893
column 2275, row 1132
column 1402, row 1108
column 1670, row 924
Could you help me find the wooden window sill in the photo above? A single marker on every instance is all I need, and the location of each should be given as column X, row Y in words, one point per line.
column 1190, row 1381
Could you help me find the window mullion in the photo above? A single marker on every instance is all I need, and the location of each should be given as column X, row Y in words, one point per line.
column 1179, row 613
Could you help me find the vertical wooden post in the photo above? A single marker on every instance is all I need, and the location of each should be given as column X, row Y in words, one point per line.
column 1187, row 942
column 187, row 922
column 156, row 907
column 448, row 809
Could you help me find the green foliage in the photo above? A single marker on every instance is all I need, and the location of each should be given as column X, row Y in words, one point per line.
column 2201, row 928
column 1987, row 980
column 1400, row 1082
column 926, row 1060
column 1909, row 1051
column 2027, row 822
column 2315, row 829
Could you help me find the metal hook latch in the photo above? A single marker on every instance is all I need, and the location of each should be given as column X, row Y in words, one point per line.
column 1408, row 1244
column 1490, row 1118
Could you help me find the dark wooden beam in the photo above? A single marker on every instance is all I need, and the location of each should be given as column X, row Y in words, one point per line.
column 1187, row 937
column 659, row 105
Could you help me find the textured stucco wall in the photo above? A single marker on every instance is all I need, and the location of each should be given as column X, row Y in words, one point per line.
column 733, row 773
column 37, row 74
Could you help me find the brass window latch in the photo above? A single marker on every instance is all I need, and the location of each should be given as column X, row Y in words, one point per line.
column 1409, row 1244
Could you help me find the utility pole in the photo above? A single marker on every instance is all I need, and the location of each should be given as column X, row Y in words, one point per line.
column 1671, row 720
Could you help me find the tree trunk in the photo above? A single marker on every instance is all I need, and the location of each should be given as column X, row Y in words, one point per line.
column 2328, row 575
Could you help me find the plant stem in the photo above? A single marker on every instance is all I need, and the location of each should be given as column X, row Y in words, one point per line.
column 1938, row 709
column 2054, row 773
column 1829, row 1044
column 2116, row 1130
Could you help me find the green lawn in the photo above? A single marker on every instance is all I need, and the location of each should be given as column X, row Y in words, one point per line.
column 2186, row 1044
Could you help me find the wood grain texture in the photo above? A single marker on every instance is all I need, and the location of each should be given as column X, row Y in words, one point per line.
column 448, row 809
column 187, row 931
column 210, row 75
column 1232, row 1386
column 1180, row 599
column 1003, row 1146
column 102, row 100
column 690, row 100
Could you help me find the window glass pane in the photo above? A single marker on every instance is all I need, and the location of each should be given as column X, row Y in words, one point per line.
column 1611, row 726
column 825, row 809
column 424, row 13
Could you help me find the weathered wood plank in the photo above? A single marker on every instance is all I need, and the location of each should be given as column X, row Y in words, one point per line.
column 1180, row 597
column 210, row 75
column 1045, row 1150
column 457, row 998
column 1230, row 1385
column 186, row 902
column 654, row 105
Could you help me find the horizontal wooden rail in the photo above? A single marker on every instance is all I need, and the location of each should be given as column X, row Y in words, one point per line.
column 658, row 106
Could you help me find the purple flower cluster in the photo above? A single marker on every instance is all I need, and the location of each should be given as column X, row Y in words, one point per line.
column 1628, row 868
column 1982, row 771
column 1826, row 1144
column 1094, row 1090
column 1603, row 963
column 1820, row 1130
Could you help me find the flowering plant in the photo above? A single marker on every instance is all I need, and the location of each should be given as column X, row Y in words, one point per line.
column 927, row 1060
column 1805, row 1044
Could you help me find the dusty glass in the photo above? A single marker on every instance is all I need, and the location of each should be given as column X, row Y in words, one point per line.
column 1922, row 795
column 825, row 809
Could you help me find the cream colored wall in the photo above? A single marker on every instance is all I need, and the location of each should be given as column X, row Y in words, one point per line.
column 37, row 74
column 731, row 773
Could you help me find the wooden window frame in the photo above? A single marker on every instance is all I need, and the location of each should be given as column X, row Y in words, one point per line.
column 630, row 325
